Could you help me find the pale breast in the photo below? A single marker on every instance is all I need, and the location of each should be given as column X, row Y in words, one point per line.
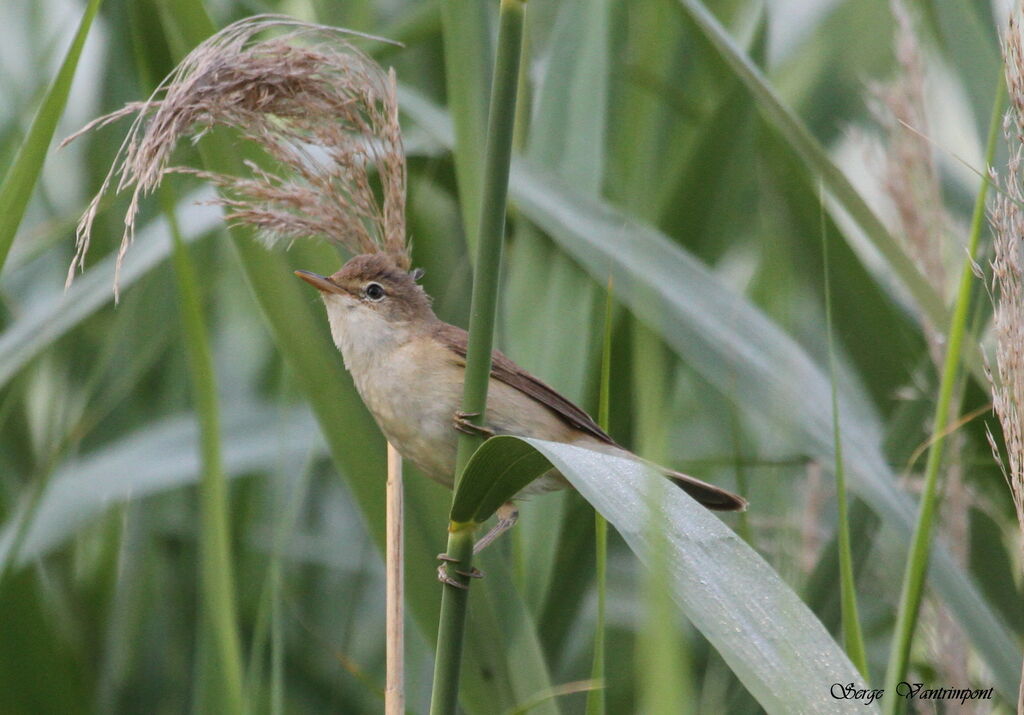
column 413, row 392
column 413, row 387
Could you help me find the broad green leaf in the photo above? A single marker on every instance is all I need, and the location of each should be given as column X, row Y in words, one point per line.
column 766, row 634
column 741, row 352
column 23, row 174
column 47, row 320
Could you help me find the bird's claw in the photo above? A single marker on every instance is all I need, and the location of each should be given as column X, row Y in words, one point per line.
column 462, row 424
column 443, row 577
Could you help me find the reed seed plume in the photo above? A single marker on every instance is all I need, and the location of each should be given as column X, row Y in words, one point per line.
column 324, row 113
column 1007, row 285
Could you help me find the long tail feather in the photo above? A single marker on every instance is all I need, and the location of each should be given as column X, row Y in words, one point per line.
column 708, row 494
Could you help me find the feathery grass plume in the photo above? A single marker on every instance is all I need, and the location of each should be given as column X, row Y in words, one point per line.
column 324, row 112
column 1007, row 286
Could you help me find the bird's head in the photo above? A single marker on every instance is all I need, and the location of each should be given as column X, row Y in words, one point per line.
column 370, row 293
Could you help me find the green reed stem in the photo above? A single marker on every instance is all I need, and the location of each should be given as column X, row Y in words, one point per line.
column 497, row 159
column 596, row 700
column 917, row 563
column 217, row 585
column 853, row 638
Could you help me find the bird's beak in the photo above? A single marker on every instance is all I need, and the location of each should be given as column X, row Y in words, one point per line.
column 321, row 283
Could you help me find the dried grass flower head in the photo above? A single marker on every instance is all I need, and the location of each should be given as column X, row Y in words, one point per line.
column 1007, row 287
column 325, row 114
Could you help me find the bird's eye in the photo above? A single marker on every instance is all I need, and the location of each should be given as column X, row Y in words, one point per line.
column 374, row 291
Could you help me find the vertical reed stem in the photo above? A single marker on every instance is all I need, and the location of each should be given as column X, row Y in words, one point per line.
column 394, row 688
column 497, row 159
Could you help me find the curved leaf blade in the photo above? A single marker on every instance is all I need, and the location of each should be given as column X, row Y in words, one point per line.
column 493, row 476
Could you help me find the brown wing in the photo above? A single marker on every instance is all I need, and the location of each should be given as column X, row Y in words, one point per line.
column 511, row 374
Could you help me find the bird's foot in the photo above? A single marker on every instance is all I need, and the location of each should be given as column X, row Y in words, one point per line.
column 443, row 577
column 462, row 424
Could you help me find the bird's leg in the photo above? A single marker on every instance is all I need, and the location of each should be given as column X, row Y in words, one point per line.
column 443, row 577
column 462, row 424
column 508, row 515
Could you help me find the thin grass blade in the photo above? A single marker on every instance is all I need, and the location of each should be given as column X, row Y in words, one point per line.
column 853, row 639
column 21, row 178
column 921, row 542
column 217, row 581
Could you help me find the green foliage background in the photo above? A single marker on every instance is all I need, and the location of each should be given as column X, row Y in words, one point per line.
column 651, row 149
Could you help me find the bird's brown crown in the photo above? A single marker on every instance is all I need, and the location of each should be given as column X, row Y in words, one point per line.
column 401, row 299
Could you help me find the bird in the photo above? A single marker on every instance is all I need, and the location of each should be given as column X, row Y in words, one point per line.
column 408, row 367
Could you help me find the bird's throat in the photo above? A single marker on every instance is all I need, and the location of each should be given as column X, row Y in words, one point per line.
column 364, row 337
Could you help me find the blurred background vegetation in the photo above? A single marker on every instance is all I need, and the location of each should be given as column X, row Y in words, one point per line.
column 638, row 141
